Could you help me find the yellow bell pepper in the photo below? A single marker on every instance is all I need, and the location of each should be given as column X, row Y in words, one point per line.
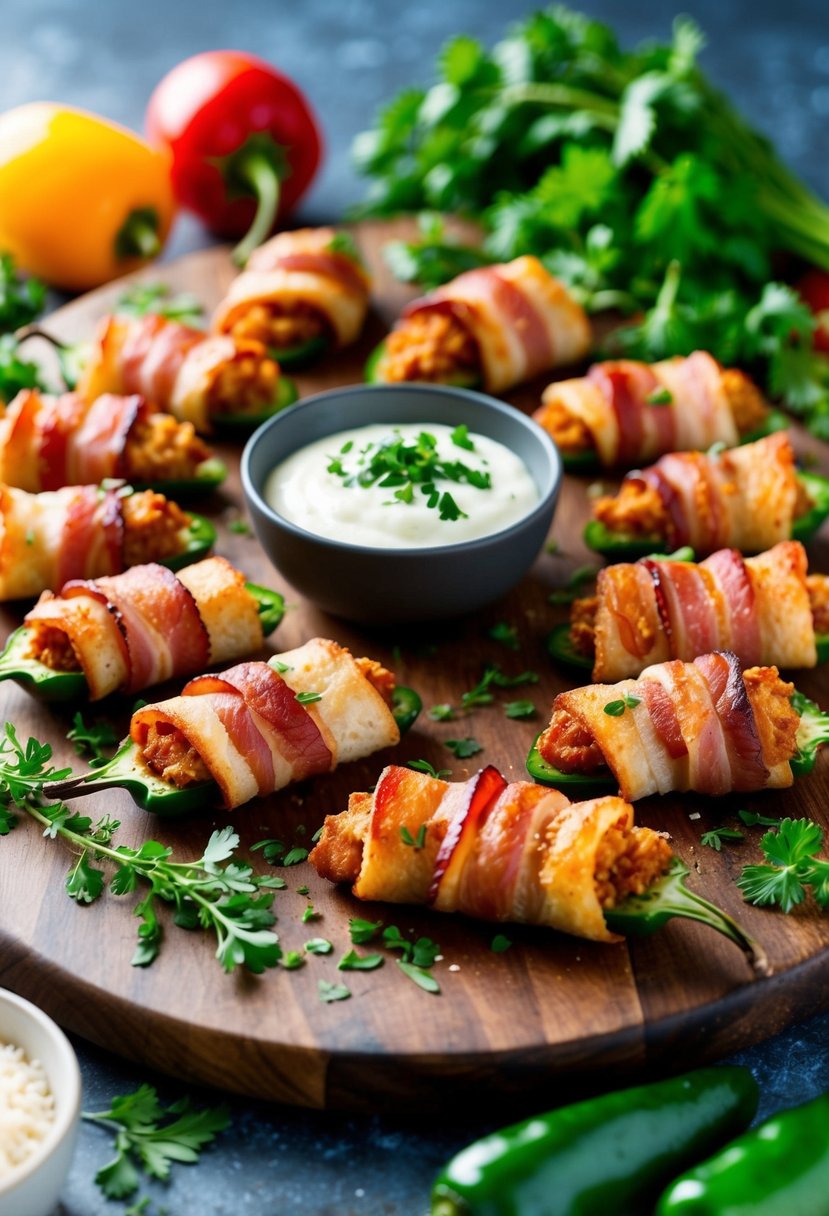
column 82, row 200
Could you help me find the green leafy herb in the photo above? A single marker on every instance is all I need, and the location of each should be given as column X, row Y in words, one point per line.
column 812, row 733
column 272, row 849
column 660, row 396
column 241, row 527
column 460, row 438
column 308, row 698
column 422, row 978
column 715, row 837
column 362, row 931
column 294, row 856
column 506, row 634
column 319, row 945
column 423, row 766
column 441, row 713
column 25, row 770
column 21, row 299
column 144, row 298
column 628, row 173
column 615, row 709
column 500, row 943
column 343, row 242
column 463, row 748
column 360, row 962
column 574, row 586
column 16, row 373
column 92, row 739
column 329, row 992
column 281, row 667
column 292, row 960
column 793, row 867
column 493, row 677
column 751, row 819
column 150, row 1137
column 414, row 842
column 520, row 709
column 310, row 913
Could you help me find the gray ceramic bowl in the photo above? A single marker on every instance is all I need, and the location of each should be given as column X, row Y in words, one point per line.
column 391, row 585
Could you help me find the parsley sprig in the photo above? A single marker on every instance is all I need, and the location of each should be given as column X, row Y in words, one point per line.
column 792, row 868
column 628, row 173
column 144, row 298
column 149, row 1137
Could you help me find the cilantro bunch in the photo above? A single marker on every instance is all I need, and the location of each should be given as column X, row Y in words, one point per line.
column 636, row 182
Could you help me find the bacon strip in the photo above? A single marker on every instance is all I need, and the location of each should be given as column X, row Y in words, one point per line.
column 685, row 726
column 522, row 319
column 93, row 535
column 491, row 850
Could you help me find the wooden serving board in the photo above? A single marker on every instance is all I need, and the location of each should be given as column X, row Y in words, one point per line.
column 549, row 1007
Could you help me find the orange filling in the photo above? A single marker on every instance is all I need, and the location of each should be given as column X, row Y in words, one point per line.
column 748, row 405
column 279, row 324
column 629, row 863
column 430, row 346
column 172, row 757
column 566, row 430
column 245, row 384
column 154, row 528
column 160, row 448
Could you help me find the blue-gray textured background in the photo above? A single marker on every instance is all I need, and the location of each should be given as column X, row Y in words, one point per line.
column 350, row 55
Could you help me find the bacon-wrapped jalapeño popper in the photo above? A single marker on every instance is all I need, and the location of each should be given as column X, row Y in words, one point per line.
column 301, row 294
column 48, row 442
column 136, row 629
column 214, row 381
column 83, row 532
column 255, row 728
column 489, row 328
column 706, row 726
column 747, row 498
column 767, row 609
column 624, row 413
column 514, row 852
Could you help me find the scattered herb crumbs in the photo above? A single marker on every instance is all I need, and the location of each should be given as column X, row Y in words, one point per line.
column 420, row 977
column 714, row 839
column 442, row 713
column 660, row 396
column 500, row 943
column 281, row 667
column 309, row 914
column 308, row 698
column 551, row 546
column 519, row 709
column 615, row 709
column 329, row 992
column 362, row 931
column 423, row 766
column 482, row 693
column 292, row 960
column 150, row 1137
column 573, row 587
column 717, row 449
column 317, row 834
column 793, row 868
column 294, row 856
column 92, row 739
column 319, row 945
column 240, row 527
column 460, row 438
column 300, row 829
column 272, row 849
column 156, row 298
column 360, row 962
column 302, row 890
column 463, row 748
column 506, row 634
column 415, row 842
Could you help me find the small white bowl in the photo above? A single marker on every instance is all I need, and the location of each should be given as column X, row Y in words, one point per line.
column 34, row 1188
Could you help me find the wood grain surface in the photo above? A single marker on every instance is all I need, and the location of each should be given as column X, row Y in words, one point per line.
column 549, row 1009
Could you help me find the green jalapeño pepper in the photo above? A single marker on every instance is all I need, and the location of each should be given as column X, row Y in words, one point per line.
column 608, row 1156
column 780, row 1168
column 373, row 372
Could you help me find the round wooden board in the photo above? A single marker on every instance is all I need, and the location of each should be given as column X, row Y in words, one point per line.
column 549, row 1007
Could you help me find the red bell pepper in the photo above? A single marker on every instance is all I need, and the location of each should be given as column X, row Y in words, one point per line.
column 244, row 141
column 814, row 288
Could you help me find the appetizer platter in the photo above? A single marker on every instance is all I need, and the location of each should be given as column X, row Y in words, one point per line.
column 518, row 1004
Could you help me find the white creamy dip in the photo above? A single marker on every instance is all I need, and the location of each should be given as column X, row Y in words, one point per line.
column 427, row 499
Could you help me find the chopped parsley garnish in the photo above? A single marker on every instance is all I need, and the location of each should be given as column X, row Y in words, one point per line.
column 308, row 698
column 423, row 766
column 442, row 713
column 279, row 666
column 660, row 396
column 519, row 709
column 481, row 694
column 506, row 634
column 414, row 842
column 319, row 945
column 240, row 526
column 422, row 978
column 294, row 857
column 360, row 962
column 751, row 819
column 463, row 748
column 615, row 709
column 92, row 739
column 292, row 960
column 272, row 849
column 403, row 465
column 362, row 931
column 500, row 943
column 715, row 837
column 329, row 992
column 310, row 913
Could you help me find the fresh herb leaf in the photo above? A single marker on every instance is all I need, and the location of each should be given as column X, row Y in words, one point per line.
column 420, row 977
column 362, row 931
column 792, row 867
column 414, row 842
column 16, row 373
column 240, row 527
column 21, row 298
column 500, row 943
column 463, row 748
column 329, row 992
column 272, row 849
column 309, row 914
column 292, row 960
column 660, row 396
column 423, row 766
column 520, row 709
column 812, row 733
column 715, row 837
column 506, row 634
column 144, row 298
column 319, row 945
column 308, row 698
column 752, row 819
column 441, row 713
column 92, row 739
column 294, row 856
column 360, row 962
column 151, row 1137
column 615, row 709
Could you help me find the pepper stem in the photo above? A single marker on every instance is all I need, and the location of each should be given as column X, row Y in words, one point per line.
column 258, row 171
column 138, row 235
column 668, row 898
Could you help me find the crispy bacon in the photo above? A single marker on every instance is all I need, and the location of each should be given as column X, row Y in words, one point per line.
column 491, row 850
column 93, row 535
